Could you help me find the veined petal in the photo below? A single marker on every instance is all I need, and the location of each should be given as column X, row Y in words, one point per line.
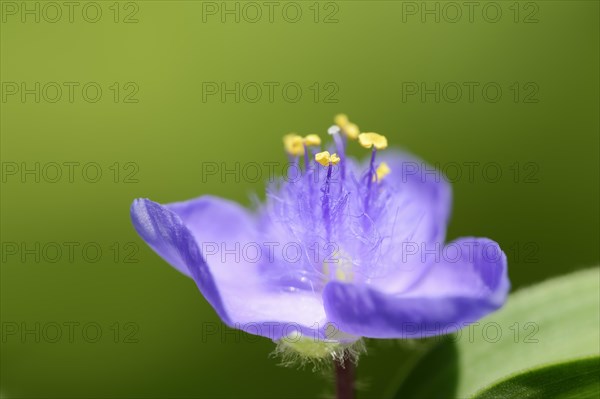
column 233, row 288
column 468, row 266
column 452, row 294
column 426, row 189
column 221, row 228
column 165, row 233
column 416, row 219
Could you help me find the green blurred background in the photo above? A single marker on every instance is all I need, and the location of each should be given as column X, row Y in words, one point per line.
column 157, row 129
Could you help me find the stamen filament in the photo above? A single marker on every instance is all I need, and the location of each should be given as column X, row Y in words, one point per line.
column 340, row 145
column 328, row 160
column 325, row 203
column 370, row 178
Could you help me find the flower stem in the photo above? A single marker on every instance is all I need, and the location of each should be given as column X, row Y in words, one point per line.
column 344, row 378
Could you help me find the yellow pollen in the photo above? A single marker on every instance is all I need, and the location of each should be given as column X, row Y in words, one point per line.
column 351, row 130
column 325, row 159
column 382, row 171
column 341, row 120
column 312, row 139
column 294, row 144
column 369, row 140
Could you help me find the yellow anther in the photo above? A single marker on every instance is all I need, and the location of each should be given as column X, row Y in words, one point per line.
column 325, row 159
column 341, row 120
column 351, row 131
column 382, row 171
column 312, row 139
column 294, row 144
column 334, row 159
column 369, row 140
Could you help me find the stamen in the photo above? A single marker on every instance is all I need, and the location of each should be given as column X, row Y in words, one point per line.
column 328, row 160
column 334, row 159
column 371, row 167
column 341, row 148
column 335, row 131
column 310, row 140
column 377, row 142
column 294, row 144
column 368, row 140
column 341, row 120
column 382, row 171
column 350, row 130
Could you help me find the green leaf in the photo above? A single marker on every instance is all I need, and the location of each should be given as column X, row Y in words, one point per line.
column 554, row 321
column 376, row 379
column 576, row 379
column 427, row 379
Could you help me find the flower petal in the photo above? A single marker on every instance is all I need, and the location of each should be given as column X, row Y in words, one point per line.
column 416, row 220
column 221, row 228
column 456, row 291
column 425, row 186
column 165, row 233
column 233, row 287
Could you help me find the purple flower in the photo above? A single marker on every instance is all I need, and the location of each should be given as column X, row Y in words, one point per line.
column 339, row 250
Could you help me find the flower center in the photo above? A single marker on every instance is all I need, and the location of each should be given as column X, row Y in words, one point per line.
column 332, row 209
column 339, row 266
